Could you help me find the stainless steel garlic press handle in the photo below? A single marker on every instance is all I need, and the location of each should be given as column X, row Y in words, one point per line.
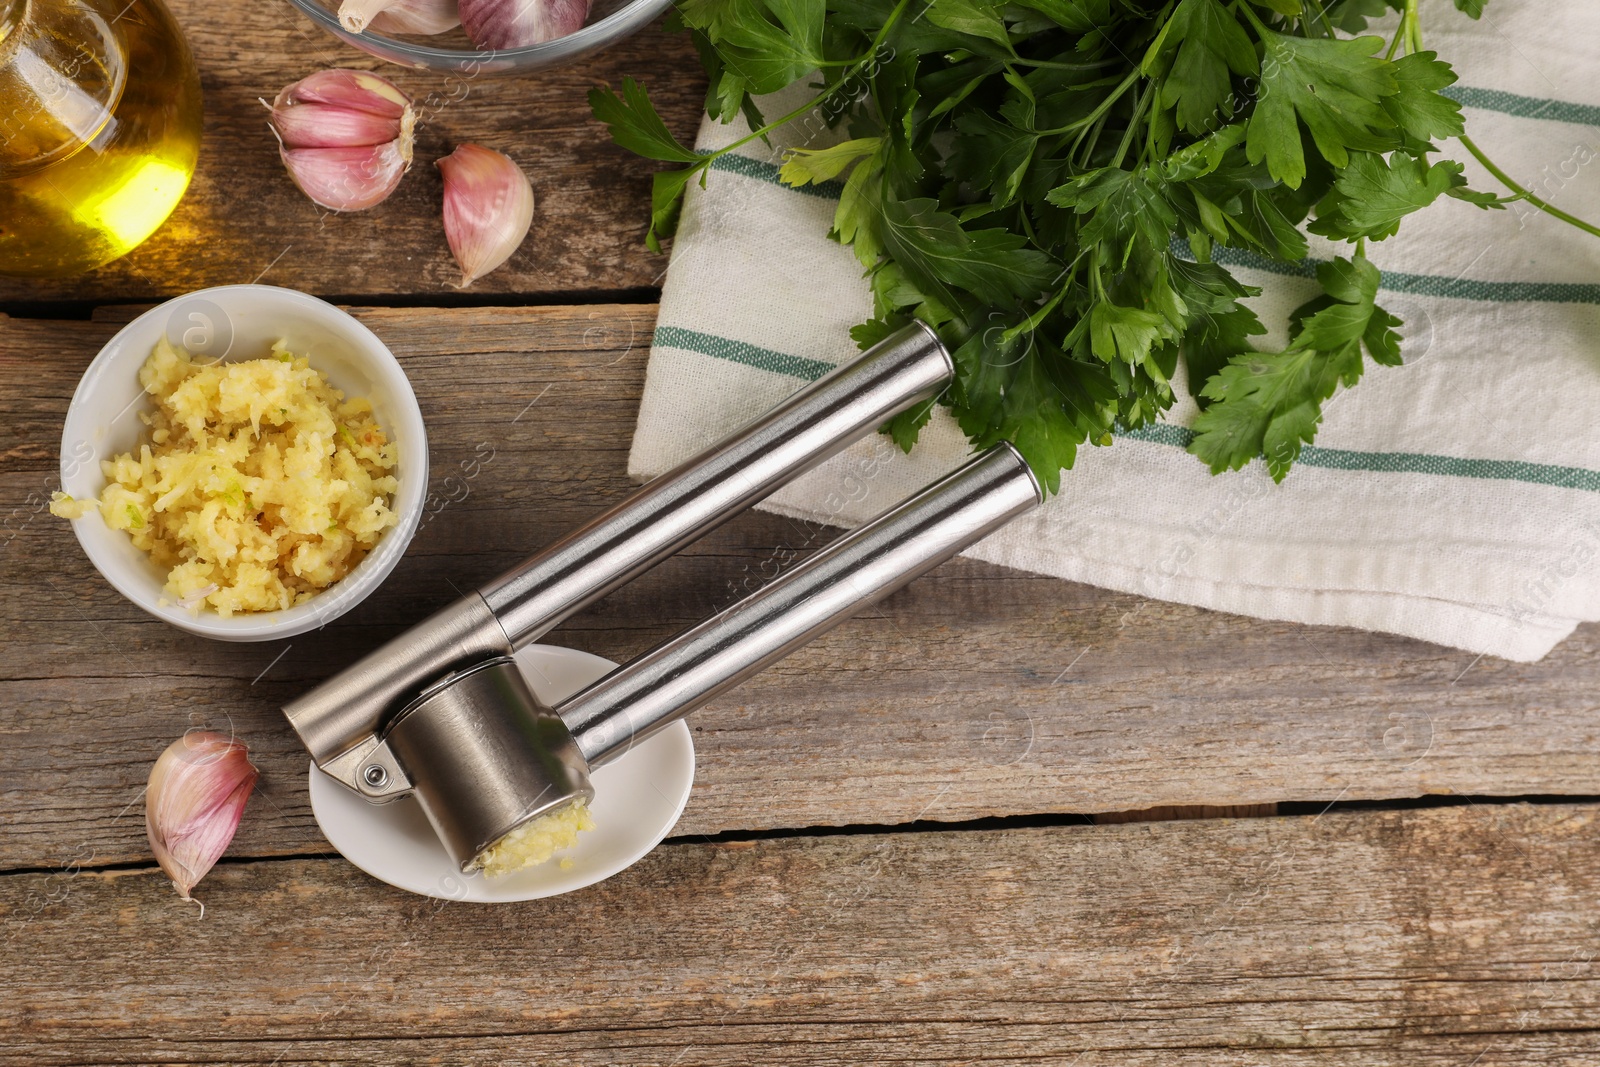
column 858, row 569
column 909, row 368
column 339, row 721
column 483, row 756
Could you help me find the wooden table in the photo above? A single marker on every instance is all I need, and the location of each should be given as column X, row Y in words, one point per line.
column 1000, row 819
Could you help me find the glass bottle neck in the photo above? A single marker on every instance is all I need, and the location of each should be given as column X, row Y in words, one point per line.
column 62, row 70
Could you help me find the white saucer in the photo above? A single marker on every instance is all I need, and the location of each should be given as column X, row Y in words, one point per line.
column 637, row 800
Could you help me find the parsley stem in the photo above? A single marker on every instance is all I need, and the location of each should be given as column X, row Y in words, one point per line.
column 1410, row 32
column 877, row 42
column 1505, row 179
column 1394, row 45
column 1413, row 25
column 763, row 131
column 1133, row 125
column 1100, row 109
column 1033, row 321
column 1321, row 13
column 883, row 33
column 1052, row 64
column 1092, row 134
column 1255, row 20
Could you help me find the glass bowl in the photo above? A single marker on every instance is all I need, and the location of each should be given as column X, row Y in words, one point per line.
column 610, row 21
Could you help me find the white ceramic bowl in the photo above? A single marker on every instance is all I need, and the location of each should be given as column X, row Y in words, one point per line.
column 637, row 801
column 239, row 322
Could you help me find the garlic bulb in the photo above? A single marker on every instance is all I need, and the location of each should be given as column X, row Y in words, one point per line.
column 345, row 137
column 399, row 16
column 488, row 207
column 196, row 795
column 519, row 23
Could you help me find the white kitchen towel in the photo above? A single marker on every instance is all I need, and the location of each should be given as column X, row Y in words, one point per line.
column 1455, row 499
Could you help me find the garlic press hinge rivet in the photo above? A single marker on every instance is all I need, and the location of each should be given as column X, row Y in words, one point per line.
column 375, row 776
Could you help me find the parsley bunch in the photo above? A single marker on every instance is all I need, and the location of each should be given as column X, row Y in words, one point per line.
column 1044, row 181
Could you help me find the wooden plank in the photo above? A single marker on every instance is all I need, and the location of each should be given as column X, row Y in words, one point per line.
column 243, row 220
column 1452, row 936
column 976, row 692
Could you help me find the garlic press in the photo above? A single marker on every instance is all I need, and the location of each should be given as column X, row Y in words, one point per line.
column 442, row 713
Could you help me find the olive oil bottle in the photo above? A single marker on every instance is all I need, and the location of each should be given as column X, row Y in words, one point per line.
column 99, row 130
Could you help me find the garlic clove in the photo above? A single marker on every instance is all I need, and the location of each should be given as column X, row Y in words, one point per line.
column 345, row 137
column 354, row 89
column 326, row 126
column 347, row 179
column 400, row 16
column 197, row 793
column 488, row 207
column 426, row 17
column 520, row 23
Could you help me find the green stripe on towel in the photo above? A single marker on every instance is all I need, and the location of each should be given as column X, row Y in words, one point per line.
column 1523, row 107
column 1506, row 470
column 1177, row 436
column 738, row 352
column 734, row 163
column 1420, row 284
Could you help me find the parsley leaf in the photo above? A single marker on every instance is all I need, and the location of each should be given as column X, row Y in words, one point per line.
column 1418, row 107
column 1126, row 209
column 666, row 204
column 1334, row 88
column 802, row 166
column 1039, row 424
column 763, row 45
column 1351, row 15
column 1259, row 220
column 1125, row 333
column 992, row 264
column 635, row 125
column 996, row 150
column 1372, row 194
column 1197, row 50
column 1269, row 404
column 969, row 16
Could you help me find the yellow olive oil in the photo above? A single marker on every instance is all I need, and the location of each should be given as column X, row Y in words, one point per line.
column 99, row 130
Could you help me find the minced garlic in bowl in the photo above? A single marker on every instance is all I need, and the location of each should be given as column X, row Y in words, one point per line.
column 256, row 486
column 535, row 841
